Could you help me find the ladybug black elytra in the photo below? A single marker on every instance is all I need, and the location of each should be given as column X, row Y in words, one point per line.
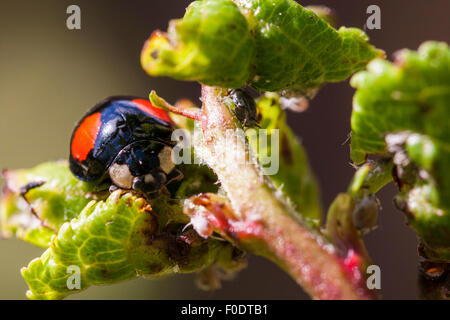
column 127, row 140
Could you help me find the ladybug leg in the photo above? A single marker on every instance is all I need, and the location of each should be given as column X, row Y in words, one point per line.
column 150, row 183
column 174, row 175
column 155, row 183
column 165, row 191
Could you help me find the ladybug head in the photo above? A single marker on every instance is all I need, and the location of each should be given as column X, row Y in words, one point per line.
column 144, row 166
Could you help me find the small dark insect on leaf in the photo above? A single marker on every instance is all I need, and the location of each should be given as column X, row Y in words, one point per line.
column 366, row 213
column 245, row 107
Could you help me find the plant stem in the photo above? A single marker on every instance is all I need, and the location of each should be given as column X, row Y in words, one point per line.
column 271, row 226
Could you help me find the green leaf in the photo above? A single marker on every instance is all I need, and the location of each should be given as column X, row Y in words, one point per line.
column 370, row 178
column 211, row 44
column 109, row 240
column 37, row 201
column 58, row 197
column 271, row 45
column 17, row 220
column 324, row 13
column 402, row 110
column 294, row 177
column 411, row 94
column 119, row 239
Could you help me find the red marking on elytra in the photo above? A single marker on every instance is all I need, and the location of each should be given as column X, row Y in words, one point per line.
column 146, row 106
column 84, row 138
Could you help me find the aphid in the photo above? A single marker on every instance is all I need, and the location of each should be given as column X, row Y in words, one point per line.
column 365, row 214
column 245, row 107
column 127, row 140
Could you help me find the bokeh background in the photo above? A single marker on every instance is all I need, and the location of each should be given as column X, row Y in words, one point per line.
column 49, row 76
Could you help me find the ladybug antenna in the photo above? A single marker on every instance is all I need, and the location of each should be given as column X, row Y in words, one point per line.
column 159, row 102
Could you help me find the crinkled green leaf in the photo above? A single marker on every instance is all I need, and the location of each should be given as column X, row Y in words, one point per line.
column 17, row 220
column 37, row 214
column 425, row 193
column 432, row 223
column 324, row 13
column 108, row 240
column 294, row 177
column 412, row 94
column 408, row 102
column 119, row 239
column 210, row 44
column 271, row 45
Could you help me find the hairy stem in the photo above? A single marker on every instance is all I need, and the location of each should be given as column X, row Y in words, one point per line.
column 268, row 225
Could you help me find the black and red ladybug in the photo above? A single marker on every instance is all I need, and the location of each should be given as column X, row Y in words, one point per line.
column 127, row 140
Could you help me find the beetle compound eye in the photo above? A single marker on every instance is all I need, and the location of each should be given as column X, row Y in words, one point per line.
column 165, row 160
column 121, row 176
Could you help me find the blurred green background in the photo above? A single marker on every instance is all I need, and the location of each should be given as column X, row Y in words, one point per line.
column 49, row 76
